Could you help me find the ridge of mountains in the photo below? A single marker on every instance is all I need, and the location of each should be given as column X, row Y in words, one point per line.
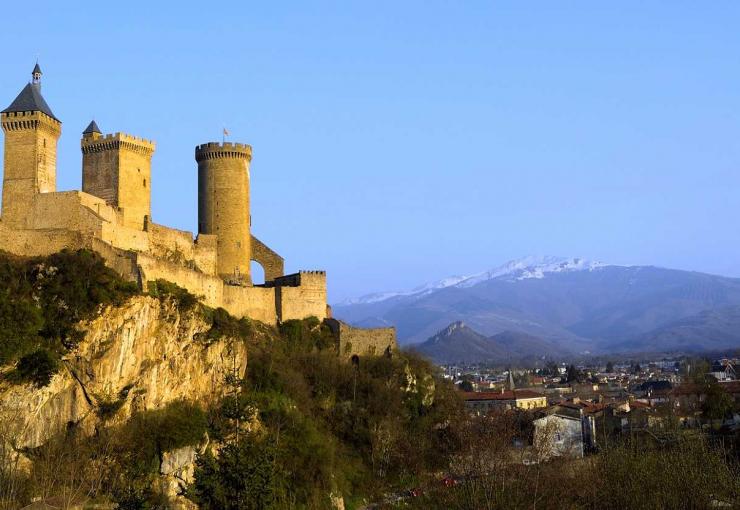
column 571, row 304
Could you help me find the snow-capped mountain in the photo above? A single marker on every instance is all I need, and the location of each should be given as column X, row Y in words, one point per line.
column 578, row 304
column 518, row 269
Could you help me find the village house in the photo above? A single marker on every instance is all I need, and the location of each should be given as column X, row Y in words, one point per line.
column 481, row 403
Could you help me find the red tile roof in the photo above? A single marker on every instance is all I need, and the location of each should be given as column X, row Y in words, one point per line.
column 497, row 395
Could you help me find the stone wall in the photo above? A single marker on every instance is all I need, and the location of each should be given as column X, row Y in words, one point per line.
column 207, row 287
column 33, row 243
column 253, row 302
column 301, row 295
column 178, row 246
column 362, row 342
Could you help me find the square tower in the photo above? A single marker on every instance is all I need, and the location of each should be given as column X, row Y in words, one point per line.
column 30, row 160
column 117, row 168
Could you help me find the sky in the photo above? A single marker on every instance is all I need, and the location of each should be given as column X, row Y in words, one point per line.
column 396, row 143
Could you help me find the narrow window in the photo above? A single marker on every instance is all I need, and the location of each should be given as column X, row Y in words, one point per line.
column 145, row 183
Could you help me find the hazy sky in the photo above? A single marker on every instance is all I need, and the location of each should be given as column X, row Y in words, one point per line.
column 401, row 142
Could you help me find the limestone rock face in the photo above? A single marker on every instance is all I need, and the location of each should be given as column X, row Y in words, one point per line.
column 142, row 355
column 176, row 471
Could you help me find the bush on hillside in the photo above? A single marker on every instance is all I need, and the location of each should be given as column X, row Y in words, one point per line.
column 37, row 367
column 163, row 288
column 42, row 299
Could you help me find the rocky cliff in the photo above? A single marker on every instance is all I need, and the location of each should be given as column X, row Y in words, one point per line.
column 142, row 355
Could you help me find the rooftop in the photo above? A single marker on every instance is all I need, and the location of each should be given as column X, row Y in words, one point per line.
column 30, row 100
column 498, row 395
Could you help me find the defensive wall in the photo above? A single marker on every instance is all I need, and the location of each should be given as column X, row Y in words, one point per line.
column 353, row 341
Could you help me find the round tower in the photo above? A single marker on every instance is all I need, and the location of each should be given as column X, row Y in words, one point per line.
column 223, row 205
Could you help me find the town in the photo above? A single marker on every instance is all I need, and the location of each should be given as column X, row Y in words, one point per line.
column 574, row 409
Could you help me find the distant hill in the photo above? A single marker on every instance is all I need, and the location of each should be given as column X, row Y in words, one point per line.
column 573, row 304
column 459, row 343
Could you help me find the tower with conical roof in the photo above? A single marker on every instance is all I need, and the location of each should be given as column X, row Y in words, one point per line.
column 30, row 161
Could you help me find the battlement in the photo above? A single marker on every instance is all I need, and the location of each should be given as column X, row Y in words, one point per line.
column 116, row 141
column 15, row 121
column 302, row 278
column 214, row 150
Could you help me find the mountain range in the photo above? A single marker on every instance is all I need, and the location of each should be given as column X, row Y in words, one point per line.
column 573, row 304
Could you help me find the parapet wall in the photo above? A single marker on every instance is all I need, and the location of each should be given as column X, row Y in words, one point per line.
column 116, row 141
column 362, row 342
column 214, row 150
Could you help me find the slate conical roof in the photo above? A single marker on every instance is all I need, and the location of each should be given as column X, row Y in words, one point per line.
column 92, row 128
column 30, row 100
column 36, row 69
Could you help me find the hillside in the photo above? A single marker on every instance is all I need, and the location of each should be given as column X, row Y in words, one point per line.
column 459, row 343
column 113, row 396
column 576, row 304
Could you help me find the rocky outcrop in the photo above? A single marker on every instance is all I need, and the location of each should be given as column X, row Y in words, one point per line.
column 142, row 355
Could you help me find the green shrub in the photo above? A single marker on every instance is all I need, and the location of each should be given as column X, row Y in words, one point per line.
column 37, row 367
column 223, row 324
column 107, row 408
column 177, row 425
column 242, row 477
column 306, row 335
column 163, row 288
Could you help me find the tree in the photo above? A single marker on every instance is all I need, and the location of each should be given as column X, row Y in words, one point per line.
column 466, row 385
column 572, row 374
column 717, row 402
column 609, row 367
column 241, row 477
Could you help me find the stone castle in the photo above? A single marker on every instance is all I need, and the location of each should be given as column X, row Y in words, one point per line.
column 112, row 216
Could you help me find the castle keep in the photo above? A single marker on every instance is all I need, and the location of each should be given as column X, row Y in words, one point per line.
column 112, row 216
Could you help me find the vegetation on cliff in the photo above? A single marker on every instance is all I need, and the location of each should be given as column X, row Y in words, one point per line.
column 321, row 426
column 42, row 300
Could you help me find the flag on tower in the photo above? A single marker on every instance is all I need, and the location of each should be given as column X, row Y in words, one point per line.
column 226, row 132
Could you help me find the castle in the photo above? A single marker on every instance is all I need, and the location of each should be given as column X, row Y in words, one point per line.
column 112, row 216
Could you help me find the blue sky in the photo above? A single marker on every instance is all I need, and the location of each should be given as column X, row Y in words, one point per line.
column 401, row 142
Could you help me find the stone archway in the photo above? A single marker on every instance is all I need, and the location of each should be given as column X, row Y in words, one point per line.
column 271, row 262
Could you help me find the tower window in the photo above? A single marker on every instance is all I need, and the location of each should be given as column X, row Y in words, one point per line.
column 145, row 183
column 44, row 142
